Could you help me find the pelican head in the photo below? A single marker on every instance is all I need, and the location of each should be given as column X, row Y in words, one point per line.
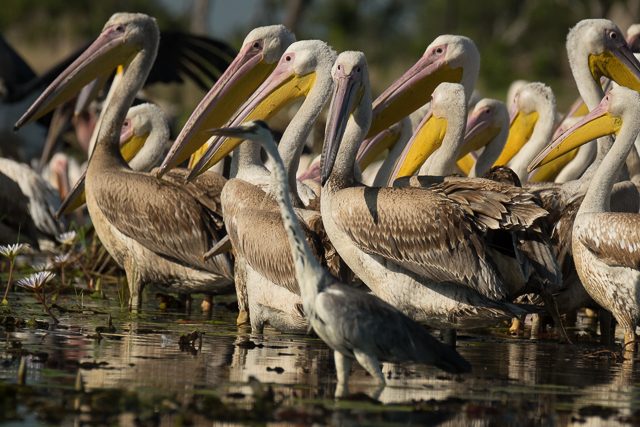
column 633, row 38
column 529, row 102
column 449, row 58
column 448, row 106
column 258, row 56
column 488, row 119
column 487, row 123
column 606, row 119
column 123, row 36
column 351, row 97
column 599, row 46
column 302, row 69
column 144, row 140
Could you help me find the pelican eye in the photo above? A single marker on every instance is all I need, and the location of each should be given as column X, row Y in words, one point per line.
column 613, row 35
column 487, row 110
column 357, row 69
column 339, row 67
column 287, row 58
column 439, row 51
column 257, row 44
column 120, row 28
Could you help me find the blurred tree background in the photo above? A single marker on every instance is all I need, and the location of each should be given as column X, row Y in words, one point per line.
column 517, row 39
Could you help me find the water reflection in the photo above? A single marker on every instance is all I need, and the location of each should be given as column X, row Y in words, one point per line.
column 514, row 380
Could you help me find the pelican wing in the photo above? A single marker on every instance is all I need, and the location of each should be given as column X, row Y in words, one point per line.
column 260, row 237
column 419, row 230
column 205, row 188
column 613, row 237
column 161, row 216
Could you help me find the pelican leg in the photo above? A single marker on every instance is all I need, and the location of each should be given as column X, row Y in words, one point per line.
column 448, row 336
column 135, row 287
column 517, row 326
column 629, row 344
column 257, row 321
column 241, row 292
column 188, row 303
column 207, row 304
column 343, row 367
column 371, row 365
column 607, row 327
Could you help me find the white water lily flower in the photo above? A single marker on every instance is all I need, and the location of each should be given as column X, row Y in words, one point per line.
column 62, row 259
column 36, row 280
column 12, row 251
column 67, row 238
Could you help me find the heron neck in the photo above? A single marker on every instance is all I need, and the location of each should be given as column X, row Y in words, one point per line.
column 309, row 273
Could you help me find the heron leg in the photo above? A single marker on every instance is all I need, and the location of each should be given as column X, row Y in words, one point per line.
column 370, row 364
column 343, row 367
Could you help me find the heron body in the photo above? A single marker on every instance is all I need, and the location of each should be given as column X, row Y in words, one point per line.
column 354, row 324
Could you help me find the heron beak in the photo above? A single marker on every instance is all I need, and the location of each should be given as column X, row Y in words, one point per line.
column 520, row 130
column 237, row 83
column 282, row 87
column 411, row 91
column 346, row 95
column 371, row 148
column 620, row 65
column 109, row 50
column 599, row 122
column 427, row 139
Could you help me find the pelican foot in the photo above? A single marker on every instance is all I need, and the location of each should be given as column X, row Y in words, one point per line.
column 207, row 304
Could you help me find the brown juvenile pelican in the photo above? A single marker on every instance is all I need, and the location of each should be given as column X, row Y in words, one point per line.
column 265, row 272
column 156, row 230
column 355, row 324
column 144, row 142
column 487, row 126
column 421, row 250
column 606, row 245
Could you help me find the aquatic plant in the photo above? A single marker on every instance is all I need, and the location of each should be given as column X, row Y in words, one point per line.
column 35, row 282
column 67, row 238
column 60, row 261
column 11, row 252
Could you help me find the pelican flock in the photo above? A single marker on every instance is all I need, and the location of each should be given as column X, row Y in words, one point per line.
column 425, row 210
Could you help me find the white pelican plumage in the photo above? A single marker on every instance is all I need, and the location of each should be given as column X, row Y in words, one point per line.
column 606, row 245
